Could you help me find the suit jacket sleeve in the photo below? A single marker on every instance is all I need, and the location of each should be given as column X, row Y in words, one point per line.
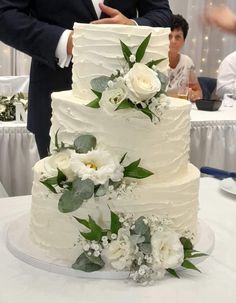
column 154, row 13
column 19, row 29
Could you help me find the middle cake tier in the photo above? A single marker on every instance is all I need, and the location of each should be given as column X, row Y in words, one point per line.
column 163, row 147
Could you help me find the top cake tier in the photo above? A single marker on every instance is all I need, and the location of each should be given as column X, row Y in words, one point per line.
column 97, row 51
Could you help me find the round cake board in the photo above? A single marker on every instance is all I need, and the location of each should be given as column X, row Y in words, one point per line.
column 21, row 246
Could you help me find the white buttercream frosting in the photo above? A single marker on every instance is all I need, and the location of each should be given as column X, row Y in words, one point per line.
column 58, row 232
column 97, row 51
column 163, row 148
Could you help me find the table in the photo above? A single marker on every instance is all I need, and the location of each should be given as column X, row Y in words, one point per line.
column 213, row 138
column 18, row 154
column 21, row 283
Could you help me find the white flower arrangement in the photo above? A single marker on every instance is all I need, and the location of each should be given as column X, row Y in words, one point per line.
column 82, row 171
column 138, row 86
column 7, row 106
column 98, row 166
column 146, row 247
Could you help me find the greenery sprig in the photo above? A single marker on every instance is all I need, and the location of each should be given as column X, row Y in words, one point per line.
column 99, row 238
column 7, row 106
column 100, row 84
column 75, row 193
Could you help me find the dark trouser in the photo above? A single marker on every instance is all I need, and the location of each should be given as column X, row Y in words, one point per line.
column 43, row 142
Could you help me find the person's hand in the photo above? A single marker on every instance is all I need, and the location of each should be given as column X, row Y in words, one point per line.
column 69, row 44
column 115, row 17
column 193, row 95
column 221, row 17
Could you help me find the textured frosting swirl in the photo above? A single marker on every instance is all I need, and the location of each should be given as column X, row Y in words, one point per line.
column 163, row 148
column 97, row 51
column 58, row 232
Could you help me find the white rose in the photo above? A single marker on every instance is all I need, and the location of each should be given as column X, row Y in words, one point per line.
column 113, row 96
column 59, row 160
column 98, row 166
column 167, row 250
column 120, row 253
column 142, row 82
column 2, row 108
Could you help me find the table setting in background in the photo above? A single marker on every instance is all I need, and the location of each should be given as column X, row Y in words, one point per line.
column 18, row 151
column 213, row 136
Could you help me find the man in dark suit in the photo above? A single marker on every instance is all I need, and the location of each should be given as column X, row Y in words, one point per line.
column 36, row 27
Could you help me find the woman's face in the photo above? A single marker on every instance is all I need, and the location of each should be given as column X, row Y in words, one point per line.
column 176, row 38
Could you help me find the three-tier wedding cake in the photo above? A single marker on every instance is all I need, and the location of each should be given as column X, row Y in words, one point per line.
column 118, row 188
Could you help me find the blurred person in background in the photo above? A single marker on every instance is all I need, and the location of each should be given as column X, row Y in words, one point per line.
column 183, row 82
column 222, row 17
column 226, row 80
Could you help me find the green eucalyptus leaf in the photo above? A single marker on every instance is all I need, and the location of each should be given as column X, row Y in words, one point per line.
column 115, row 223
column 94, row 103
column 82, row 221
column 164, row 81
column 172, row 272
column 113, row 77
column 84, row 143
column 198, row 255
column 101, row 190
column 133, row 165
column 126, row 52
column 84, row 189
column 88, row 263
column 137, row 173
column 123, row 158
column 115, row 184
column 125, row 104
column 142, row 48
column 61, row 177
column 155, row 62
column 20, row 95
column 98, row 94
column 56, row 139
column 187, row 244
column 96, row 231
column 69, row 201
column 72, row 199
column 96, row 260
column 146, row 248
column 189, row 265
column 99, row 84
column 49, row 185
column 140, row 227
column 147, row 112
column 193, row 254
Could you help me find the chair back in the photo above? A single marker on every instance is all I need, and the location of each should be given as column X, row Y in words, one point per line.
column 208, row 86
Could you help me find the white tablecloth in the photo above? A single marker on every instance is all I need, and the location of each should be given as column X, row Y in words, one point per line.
column 22, row 283
column 213, row 138
column 10, row 85
column 18, row 153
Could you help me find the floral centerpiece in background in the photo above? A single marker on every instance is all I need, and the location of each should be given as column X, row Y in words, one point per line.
column 7, row 106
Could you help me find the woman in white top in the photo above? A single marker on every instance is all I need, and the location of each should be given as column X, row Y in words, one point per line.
column 183, row 81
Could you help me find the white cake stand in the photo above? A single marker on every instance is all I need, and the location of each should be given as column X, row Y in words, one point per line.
column 22, row 247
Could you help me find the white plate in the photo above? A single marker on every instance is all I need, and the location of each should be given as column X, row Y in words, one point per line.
column 228, row 185
column 21, row 246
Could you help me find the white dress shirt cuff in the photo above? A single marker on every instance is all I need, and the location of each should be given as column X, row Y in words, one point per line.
column 135, row 23
column 61, row 50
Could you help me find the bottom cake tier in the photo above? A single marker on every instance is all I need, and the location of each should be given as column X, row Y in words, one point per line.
column 58, row 232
